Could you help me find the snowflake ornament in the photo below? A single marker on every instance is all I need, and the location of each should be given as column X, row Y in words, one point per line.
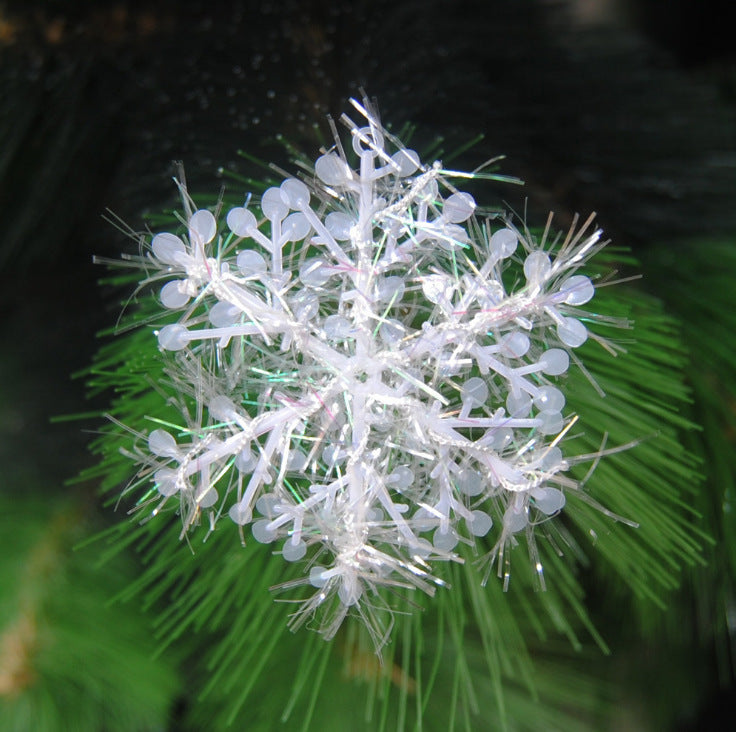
column 370, row 390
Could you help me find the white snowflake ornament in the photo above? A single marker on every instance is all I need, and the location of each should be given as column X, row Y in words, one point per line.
column 371, row 391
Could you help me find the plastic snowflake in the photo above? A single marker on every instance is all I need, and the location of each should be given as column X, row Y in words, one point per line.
column 370, row 391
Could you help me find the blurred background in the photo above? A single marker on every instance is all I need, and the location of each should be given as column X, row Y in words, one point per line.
column 625, row 107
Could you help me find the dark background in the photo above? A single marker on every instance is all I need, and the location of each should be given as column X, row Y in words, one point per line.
column 626, row 108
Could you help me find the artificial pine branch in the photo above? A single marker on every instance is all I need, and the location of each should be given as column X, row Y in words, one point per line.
column 68, row 658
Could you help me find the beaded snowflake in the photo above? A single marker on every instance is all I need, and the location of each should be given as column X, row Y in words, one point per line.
column 371, row 389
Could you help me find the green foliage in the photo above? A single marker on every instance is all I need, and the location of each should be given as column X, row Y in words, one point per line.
column 69, row 659
column 695, row 279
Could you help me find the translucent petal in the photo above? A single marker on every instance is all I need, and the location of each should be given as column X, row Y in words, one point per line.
column 294, row 552
column 266, row 505
column 240, row 221
column 313, row 273
column 480, row 524
column 502, row 437
column 423, row 520
column 173, row 295
column 223, row 314
column 572, row 332
column 515, row 521
column 392, row 331
column 207, row 498
column 261, row 534
column 437, row 287
column 240, row 515
column 202, row 227
column 519, row 405
column 474, row 391
column 166, row 482
column 401, row 478
column 350, row 591
column 551, row 458
column 333, row 454
column 548, row 500
column 445, row 542
column 166, row 247
column 552, row 422
column 390, row 288
column 161, row 443
column 339, row 225
column 331, row 169
column 296, row 226
column 549, row 399
column 222, row 408
column 273, row 206
column 305, row 305
column 577, row 290
column 297, row 461
column 554, row 362
column 173, row 337
column 469, row 482
column 451, row 236
column 458, row 207
column 537, row 266
column 316, row 576
column 295, row 194
column 251, row 263
column 337, row 327
column 504, row 242
column 407, row 160
column 516, row 344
